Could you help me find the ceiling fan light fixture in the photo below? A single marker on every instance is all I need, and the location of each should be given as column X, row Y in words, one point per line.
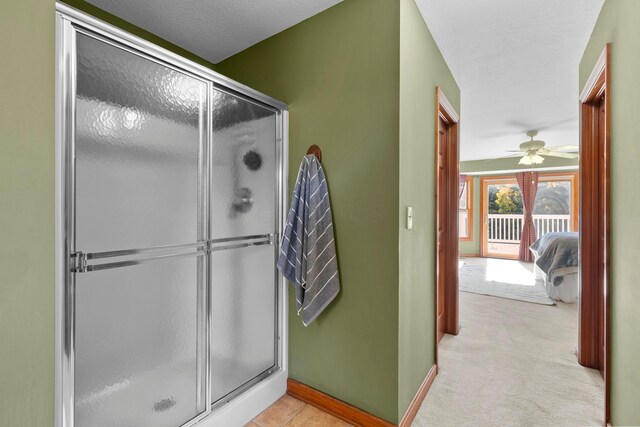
column 537, row 159
column 534, row 150
column 531, row 159
column 526, row 160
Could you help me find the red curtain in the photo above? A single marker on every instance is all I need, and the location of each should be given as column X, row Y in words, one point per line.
column 528, row 183
column 462, row 181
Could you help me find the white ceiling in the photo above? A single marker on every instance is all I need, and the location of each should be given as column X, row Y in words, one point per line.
column 516, row 62
column 214, row 29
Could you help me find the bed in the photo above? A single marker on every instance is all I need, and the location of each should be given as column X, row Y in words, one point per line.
column 556, row 262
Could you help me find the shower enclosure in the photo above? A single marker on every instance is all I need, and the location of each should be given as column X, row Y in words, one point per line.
column 170, row 195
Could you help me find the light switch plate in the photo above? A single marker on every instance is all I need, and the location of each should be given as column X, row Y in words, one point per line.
column 409, row 217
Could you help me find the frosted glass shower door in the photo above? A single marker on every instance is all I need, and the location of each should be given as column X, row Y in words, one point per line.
column 243, row 317
column 139, row 239
column 243, row 226
column 136, row 345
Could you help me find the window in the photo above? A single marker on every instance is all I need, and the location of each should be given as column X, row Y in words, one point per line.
column 556, row 206
column 501, row 209
column 465, row 211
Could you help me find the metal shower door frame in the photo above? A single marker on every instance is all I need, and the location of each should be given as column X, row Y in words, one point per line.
column 70, row 21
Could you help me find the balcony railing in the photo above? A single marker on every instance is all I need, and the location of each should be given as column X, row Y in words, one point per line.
column 508, row 228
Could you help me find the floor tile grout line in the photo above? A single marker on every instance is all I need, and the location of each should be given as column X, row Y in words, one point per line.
column 293, row 414
column 289, row 418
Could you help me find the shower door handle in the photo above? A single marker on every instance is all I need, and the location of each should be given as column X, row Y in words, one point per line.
column 214, row 245
column 81, row 262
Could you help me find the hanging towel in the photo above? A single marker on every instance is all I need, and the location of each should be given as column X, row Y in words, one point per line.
column 307, row 256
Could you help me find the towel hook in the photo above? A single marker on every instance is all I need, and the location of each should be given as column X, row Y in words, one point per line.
column 315, row 150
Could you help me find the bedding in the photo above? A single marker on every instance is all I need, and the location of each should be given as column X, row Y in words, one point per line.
column 557, row 255
column 556, row 262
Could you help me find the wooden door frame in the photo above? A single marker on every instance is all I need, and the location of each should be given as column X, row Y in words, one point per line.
column 593, row 210
column 446, row 112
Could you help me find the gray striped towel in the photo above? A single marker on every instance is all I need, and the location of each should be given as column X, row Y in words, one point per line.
column 308, row 253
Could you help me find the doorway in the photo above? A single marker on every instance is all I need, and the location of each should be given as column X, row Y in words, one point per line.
column 447, row 200
column 593, row 338
column 501, row 207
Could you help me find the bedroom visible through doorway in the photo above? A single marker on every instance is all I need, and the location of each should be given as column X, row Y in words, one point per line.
column 520, row 323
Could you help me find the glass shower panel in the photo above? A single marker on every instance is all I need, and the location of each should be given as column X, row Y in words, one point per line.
column 153, row 182
column 136, row 355
column 140, row 132
column 243, row 190
column 243, row 316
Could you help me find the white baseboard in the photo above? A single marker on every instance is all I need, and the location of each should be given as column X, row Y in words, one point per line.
column 249, row 404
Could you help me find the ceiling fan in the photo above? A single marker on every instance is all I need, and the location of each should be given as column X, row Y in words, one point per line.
column 535, row 151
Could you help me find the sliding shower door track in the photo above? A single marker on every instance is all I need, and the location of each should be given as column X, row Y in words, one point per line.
column 244, row 387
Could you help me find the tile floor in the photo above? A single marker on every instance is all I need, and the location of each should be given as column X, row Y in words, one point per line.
column 291, row 412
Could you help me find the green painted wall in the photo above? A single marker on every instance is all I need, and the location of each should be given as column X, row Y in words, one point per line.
column 339, row 73
column 618, row 24
column 497, row 165
column 472, row 247
column 133, row 29
column 27, row 214
column 422, row 68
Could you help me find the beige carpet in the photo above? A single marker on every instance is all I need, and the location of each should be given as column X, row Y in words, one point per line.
column 502, row 278
column 512, row 364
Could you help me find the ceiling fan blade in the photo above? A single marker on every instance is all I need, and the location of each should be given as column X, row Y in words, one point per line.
column 514, row 151
column 563, row 155
column 563, row 148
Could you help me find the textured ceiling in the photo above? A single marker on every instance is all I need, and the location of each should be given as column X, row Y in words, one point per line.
column 214, row 29
column 516, row 62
